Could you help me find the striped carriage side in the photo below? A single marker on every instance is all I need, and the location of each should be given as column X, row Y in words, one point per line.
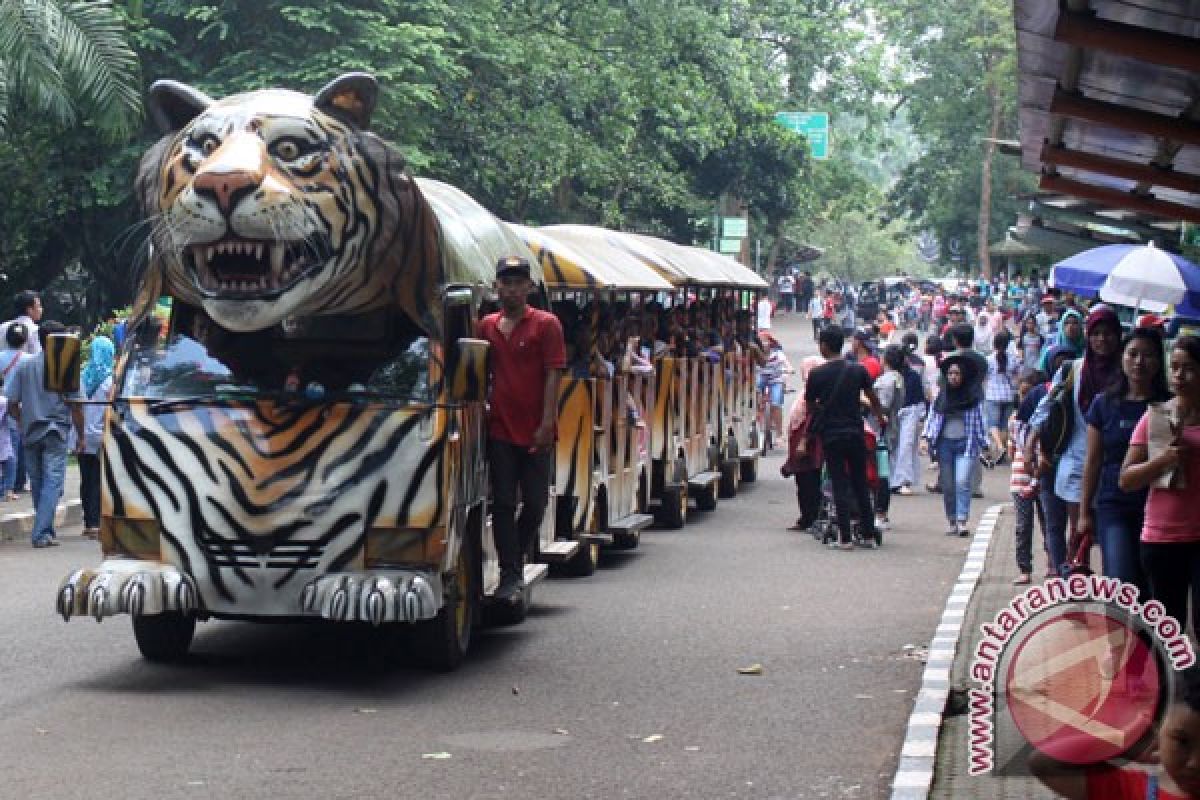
column 294, row 487
column 575, row 450
column 663, row 420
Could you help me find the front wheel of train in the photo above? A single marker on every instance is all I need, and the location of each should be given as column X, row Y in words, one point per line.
column 706, row 498
column 442, row 642
column 165, row 637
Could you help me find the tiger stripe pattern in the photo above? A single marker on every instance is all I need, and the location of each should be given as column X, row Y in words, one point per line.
column 62, row 362
column 253, row 499
column 574, row 454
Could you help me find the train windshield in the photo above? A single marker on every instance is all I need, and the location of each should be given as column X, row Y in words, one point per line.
column 368, row 356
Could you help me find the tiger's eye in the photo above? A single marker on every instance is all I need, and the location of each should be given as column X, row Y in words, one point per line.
column 287, row 150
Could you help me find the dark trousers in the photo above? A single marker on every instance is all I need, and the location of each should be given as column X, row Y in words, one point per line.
column 1118, row 532
column 515, row 472
column 89, row 488
column 1027, row 510
column 883, row 498
column 1174, row 573
column 846, row 461
column 1054, row 527
column 19, row 476
column 808, row 496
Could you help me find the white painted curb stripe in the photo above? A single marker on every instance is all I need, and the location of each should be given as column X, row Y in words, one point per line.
column 918, row 754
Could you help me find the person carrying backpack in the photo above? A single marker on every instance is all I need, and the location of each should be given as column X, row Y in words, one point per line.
column 1061, row 425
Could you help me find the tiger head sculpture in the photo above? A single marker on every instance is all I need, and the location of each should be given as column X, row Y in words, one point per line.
column 273, row 203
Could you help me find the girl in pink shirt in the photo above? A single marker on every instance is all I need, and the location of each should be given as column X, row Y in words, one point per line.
column 1171, row 531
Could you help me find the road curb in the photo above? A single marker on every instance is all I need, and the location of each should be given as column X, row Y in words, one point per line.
column 18, row 526
column 914, row 774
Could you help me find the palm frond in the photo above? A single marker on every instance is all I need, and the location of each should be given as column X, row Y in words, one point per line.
column 29, row 58
column 98, row 65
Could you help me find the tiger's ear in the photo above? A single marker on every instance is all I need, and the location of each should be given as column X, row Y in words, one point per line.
column 172, row 104
column 350, row 97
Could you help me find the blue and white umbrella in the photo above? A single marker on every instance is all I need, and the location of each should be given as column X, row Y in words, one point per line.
column 1139, row 276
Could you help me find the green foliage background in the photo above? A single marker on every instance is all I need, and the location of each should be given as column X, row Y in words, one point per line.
column 636, row 114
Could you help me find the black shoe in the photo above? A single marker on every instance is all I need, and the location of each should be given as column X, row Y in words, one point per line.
column 509, row 590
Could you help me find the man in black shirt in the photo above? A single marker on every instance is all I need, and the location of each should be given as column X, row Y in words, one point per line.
column 833, row 393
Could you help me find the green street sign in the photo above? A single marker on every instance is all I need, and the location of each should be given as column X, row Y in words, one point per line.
column 813, row 124
column 734, row 227
column 730, row 246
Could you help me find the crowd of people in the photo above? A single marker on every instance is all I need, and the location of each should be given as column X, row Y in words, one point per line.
column 1097, row 421
column 42, row 428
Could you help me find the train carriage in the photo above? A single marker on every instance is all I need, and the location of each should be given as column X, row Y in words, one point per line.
column 603, row 466
column 711, row 437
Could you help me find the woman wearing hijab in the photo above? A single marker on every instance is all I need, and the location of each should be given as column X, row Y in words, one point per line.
column 1070, row 336
column 955, row 431
column 1088, row 377
column 97, row 383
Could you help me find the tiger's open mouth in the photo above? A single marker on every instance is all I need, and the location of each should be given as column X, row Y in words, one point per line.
column 246, row 268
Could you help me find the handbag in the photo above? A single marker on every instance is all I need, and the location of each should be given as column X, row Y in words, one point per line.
column 1163, row 430
column 805, row 453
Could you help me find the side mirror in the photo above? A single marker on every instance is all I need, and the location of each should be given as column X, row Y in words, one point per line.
column 466, row 376
column 62, row 363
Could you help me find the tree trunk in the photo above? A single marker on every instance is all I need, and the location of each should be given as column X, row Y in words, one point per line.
column 985, row 188
column 775, row 229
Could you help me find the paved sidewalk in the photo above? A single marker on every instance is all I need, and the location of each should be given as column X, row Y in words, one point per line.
column 16, row 518
column 993, row 591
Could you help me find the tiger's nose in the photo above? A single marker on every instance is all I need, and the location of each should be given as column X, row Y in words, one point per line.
column 226, row 188
column 232, row 172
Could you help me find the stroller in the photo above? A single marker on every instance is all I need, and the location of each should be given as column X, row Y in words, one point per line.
column 825, row 529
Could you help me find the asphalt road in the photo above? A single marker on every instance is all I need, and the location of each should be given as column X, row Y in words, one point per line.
column 624, row 684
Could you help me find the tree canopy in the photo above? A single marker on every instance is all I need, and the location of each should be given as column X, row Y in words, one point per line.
column 635, row 114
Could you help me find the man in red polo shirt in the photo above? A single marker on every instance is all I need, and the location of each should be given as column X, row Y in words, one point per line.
column 526, row 361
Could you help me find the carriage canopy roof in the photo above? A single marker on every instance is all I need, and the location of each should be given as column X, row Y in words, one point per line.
column 473, row 240
column 580, row 258
column 689, row 266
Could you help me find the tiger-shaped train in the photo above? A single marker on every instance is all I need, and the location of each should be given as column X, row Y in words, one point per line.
column 304, row 436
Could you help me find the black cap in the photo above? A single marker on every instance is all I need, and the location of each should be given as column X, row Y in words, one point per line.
column 512, row 264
